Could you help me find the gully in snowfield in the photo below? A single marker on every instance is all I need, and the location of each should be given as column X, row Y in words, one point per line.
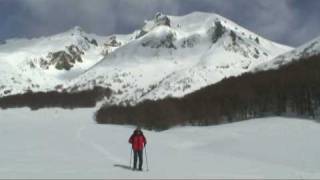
column 138, row 142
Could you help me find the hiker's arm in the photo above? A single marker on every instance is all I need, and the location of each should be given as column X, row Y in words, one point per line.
column 145, row 140
column 130, row 139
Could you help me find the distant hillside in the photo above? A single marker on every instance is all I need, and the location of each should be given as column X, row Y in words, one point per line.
column 292, row 89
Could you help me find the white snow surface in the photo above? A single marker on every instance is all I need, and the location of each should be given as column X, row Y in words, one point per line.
column 58, row 143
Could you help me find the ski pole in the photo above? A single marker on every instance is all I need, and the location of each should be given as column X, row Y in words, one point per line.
column 145, row 150
column 130, row 158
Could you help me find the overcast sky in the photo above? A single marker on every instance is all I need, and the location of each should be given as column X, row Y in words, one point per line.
column 291, row 22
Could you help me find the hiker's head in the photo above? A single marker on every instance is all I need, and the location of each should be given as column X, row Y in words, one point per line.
column 138, row 130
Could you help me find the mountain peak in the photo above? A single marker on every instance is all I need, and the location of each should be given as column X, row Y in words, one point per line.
column 76, row 30
column 158, row 14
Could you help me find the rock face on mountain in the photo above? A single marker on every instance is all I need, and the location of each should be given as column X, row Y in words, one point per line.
column 110, row 44
column 158, row 20
column 63, row 60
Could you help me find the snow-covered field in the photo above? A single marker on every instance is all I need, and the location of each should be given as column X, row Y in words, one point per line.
column 57, row 143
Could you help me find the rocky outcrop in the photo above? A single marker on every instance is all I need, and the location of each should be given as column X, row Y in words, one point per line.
column 161, row 19
column 216, row 31
column 158, row 20
column 62, row 60
column 166, row 42
column 92, row 41
column 110, row 44
column 190, row 41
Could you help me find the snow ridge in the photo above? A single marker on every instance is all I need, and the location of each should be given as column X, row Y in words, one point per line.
column 304, row 51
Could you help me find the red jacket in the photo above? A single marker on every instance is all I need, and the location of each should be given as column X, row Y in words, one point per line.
column 138, row 141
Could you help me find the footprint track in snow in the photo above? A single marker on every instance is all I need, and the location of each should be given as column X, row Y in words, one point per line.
column 98, row 147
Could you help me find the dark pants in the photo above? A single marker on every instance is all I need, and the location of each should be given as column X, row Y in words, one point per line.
column 136, row 155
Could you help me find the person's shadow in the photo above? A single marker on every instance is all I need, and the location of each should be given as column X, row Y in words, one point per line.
column 122, row 166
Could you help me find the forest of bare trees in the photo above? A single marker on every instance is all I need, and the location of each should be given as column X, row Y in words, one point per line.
column 36, row 100
column 293, row 89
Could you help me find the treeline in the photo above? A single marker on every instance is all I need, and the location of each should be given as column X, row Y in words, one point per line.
column 293, row 89
column 36, row 100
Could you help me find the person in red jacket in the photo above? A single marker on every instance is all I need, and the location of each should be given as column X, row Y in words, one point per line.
column 138, row 142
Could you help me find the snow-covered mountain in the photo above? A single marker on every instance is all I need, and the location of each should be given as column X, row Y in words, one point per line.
column 168, row 56
column 45, row 63
column 306, row 50
column 176, row 55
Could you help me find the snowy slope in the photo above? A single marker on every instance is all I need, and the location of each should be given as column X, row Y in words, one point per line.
column 57, row 143
column 304, row 51
column 176, row 55
column 41, row 64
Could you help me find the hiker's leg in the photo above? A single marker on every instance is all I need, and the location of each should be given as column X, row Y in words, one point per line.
column 135, row 154
column 140, row 153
